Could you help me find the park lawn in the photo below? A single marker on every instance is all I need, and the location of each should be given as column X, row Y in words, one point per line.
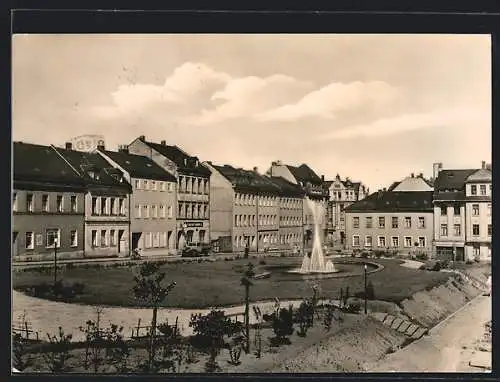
column 217, row 284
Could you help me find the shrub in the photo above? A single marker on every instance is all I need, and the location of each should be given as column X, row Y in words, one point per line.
column 262, row 262
column 422, row 256
column 304, row 317
column 282, row 323
column 21, row 358
column 57, row 358
column 364, row 255
column 353, row 308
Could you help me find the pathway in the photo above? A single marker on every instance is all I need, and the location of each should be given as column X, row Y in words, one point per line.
column 449, row 345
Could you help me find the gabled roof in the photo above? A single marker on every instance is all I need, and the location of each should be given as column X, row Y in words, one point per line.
column 41, row 163
column 85, row 163
column 479, row 176
column 393, row 186
column 247, row 181
column 184, row 162
column 304, row 173
column 390, row 201
column 139, row 166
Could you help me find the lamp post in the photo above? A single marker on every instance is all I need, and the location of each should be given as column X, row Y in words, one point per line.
column 55, row 262
column 366, row 310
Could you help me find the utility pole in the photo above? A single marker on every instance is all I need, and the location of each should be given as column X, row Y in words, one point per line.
column 246, row 281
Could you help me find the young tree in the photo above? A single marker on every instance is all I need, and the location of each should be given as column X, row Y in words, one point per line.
column 58, row 355
column 149, row 289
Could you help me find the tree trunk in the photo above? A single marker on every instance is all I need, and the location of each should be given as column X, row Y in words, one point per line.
column 247, row 319
column 152, row 338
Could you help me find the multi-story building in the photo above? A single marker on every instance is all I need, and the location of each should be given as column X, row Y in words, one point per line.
column 153, row 203
column 316, row 194
column 47, row 205
column 244, row 209
column 462, row 213
column 107, row 220
column 343, row 192
column 399, row 221
column 193, row 188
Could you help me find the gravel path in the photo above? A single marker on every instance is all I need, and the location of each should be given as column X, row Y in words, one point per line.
column 449, row 345
column 46, row 316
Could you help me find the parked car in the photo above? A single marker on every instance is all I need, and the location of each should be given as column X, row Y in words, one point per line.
column 196, row 250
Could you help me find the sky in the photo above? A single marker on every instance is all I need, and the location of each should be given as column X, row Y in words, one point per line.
column 373, row 108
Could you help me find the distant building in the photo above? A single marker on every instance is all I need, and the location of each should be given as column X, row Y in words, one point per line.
column 399, row 221
column 153, row 202
column 247, row 210
column 462, row 213
column 342, row 194
column 315, row 189
column 412, row 183
column 107, row 203
column 47, row 205
column 193, row 188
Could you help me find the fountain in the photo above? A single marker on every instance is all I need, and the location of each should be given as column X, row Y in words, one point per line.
column 315, row 263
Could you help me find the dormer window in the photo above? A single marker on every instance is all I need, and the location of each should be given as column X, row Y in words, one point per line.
column 185, row 161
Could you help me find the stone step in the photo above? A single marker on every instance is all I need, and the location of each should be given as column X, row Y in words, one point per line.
column 419, row 333
column 412, row 329
column 396, row 323
column 404, row 326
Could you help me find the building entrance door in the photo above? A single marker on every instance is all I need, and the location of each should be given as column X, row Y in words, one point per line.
column 136, row 236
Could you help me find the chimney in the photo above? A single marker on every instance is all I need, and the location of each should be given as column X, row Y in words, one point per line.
column 69, row 146
column 412, row 175
column 100, row 147
column 322, row 178
column 421, row 175
column 256, row 170
column 142, row 138
column 436, row 167
column 163, row 143
column 483, row 164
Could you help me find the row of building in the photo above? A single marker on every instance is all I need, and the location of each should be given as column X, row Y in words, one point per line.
column 154, row 198
column 448, row 216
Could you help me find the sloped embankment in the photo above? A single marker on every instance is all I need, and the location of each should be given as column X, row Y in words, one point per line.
column 346, row 351
column 428, row 308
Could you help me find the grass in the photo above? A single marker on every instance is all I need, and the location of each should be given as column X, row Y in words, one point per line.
column 210, row 284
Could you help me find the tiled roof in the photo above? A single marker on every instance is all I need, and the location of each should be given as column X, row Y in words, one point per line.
column 247, row 181
column 84, row 162
column 42, row 163
column 449, row 196
column 287, row 189
column 303, row 173
column 390, row 201
column 184, row 162
column 139, row 166
column 452, row 179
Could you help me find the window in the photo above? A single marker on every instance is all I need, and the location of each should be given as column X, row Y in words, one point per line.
column 456, row 230
column 146, row 211
column 162, row 210
column 475, row 210
column 381, row 222
column 162, row 186
column 368, row 241
column 421, row 241
column 443, row 210
column 29, row 202
column 395, row 241
column 421, row 222
column 74, row 238
column 355, row 222
column 482, row 189
column 444, row 230
column 154, row 211
column 146, row 185
column 473, row 189
column 341, row 207
column 73, row 203
column 94, row 206
column 489, row 229
column 45, row 203
column 138, row 211
column 51, row 236
column 169, row 187
column 121, row 206
column 148, row 240
column 94, row 238
column 456, row 210
column 355, row 241
column 30, row 240
column 156, row 239
column 103, row 238
column 489, row 209
column 407, row 241
column 112, row 237
column 394, row 222
column 369, row 222
column 137, row 184
column 475, row 229
column 169, row 211
column 103, row 206
column 60, row 203
column 407, row 222
column 381, row 241
column 153, row 185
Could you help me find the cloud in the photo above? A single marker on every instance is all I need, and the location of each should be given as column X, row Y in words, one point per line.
column 410, row 122
column 333, row 98
column 186, row 83
column 248, row 96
